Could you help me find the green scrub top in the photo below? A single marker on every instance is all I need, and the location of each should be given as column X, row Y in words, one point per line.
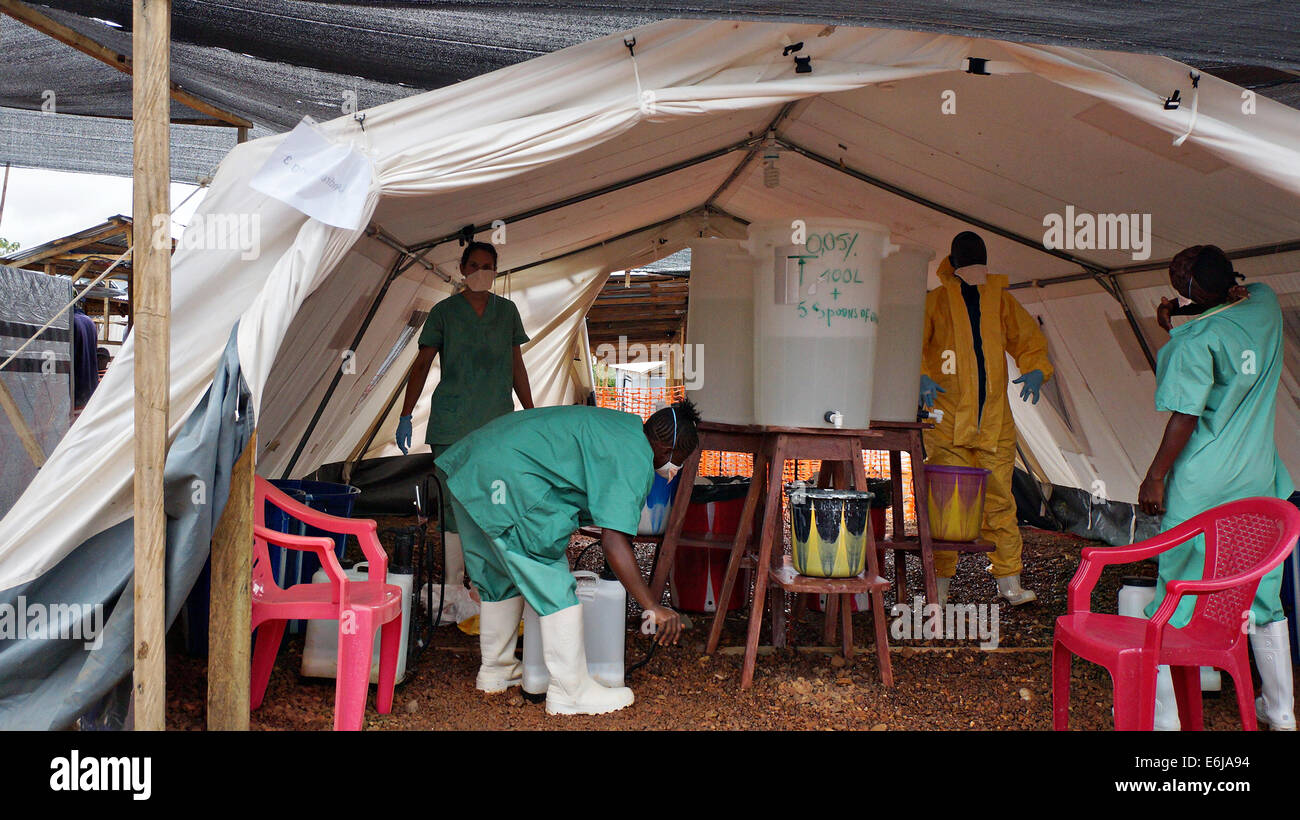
column 550, row 470
column 476, row 355
column 1223, row 367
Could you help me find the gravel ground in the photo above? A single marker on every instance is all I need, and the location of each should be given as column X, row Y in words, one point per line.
column 946, row 685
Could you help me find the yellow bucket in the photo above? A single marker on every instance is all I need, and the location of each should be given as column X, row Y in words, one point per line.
column 956, row 502
column 829, row 529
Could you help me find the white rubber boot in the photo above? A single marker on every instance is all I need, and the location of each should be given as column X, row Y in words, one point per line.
column 1271, row 645
column 1009, row 588
column 1166, row 719
column 572, row 690
column 943, row 583
column 454, row 561
column 498, row 634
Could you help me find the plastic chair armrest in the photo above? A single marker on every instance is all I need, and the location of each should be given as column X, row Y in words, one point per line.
column 1094, row 559
column 266, row 491
column 323, row 548
column 374, row 552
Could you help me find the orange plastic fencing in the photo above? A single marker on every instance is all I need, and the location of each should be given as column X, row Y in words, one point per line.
column 645, row 400
column 640, row 400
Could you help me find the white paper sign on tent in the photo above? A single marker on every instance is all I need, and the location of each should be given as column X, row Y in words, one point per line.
column 325, row 180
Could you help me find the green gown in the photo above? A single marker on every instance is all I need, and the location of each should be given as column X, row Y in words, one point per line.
column 478, row 366
column 1223, row 367
column 521, row 484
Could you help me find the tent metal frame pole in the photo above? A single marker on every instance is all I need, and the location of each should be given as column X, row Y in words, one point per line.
column 1253, row 252
column 1101, row 275
column 548, row 260
column 1113, row 287
column 393, row 273
column 601, row 191
column 625, row 235
column 862, row 176
column 751, row 153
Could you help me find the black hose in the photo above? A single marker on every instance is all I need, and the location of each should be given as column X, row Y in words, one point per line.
column 442, row 541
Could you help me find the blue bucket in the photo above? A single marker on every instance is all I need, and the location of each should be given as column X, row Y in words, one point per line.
column 294, row 566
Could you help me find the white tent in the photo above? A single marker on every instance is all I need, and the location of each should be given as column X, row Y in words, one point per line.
column 600, row 157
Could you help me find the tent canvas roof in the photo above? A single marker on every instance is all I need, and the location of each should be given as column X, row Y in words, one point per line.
column 271, row 62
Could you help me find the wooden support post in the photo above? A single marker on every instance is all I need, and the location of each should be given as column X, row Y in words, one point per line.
column 152, row 269
column 230, row 608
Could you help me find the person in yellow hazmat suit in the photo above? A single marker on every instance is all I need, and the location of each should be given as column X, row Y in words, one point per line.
column 971, row 323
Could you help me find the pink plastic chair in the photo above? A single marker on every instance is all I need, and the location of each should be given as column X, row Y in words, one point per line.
column 359, row 606
column 1243, row 541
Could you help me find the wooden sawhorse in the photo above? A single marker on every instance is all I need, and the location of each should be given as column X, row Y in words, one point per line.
column 771, row 447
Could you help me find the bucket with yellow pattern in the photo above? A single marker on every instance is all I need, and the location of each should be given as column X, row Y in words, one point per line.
column 956, row 502
column 829, row 530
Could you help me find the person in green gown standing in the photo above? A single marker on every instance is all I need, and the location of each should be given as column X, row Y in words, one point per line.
column 1218, row 377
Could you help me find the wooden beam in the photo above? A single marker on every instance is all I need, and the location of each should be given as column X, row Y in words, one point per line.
column 151, row 42
column 59, row 246
column 68, row 36
column 24, row 431
column 230, row 607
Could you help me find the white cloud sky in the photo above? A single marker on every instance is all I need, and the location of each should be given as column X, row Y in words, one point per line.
column 43, row 205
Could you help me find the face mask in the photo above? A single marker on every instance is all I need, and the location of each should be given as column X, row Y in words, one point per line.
column 480, row 280
column 974, row 274
column 669, row 470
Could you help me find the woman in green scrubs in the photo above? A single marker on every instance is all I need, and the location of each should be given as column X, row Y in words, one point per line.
column 1218, row 376
column 479, row 335
column 520, row 486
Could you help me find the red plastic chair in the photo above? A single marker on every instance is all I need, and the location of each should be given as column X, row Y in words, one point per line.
column 1243, row 541
column 360, row 606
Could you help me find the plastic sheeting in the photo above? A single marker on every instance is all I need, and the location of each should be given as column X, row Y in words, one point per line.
column 40, row 379
column 48, row 681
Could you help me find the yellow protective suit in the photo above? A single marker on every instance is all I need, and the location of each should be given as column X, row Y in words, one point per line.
column 965, row 438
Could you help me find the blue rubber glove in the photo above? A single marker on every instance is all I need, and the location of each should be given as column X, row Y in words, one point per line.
column 929, row 389
column 404, row 434
column 1033, row 382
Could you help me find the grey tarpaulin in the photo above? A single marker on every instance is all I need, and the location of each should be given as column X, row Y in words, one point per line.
column 47, row 684
column 40, row 378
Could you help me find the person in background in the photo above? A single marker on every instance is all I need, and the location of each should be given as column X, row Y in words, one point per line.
column 1218, row 378
column 971, row 323
column 520, row 486
column 479, row 335
column 85, row 367
column 102, row 360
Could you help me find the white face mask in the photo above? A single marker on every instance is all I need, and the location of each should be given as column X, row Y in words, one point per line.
column 974, row 274
column 480, row 280
column 668, row 471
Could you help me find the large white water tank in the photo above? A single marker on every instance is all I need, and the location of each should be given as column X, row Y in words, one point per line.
column 816, row 319
column 898, row 345
column 720, row 331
